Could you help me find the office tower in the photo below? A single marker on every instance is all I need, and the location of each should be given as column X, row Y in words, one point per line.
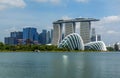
column 94, row 36
column 40, row 38
column 30, row 35
column 48, row 37
column 93, row 31
column 43, row 37
column 85, row 28
column 18, row 35
column 10, row 40
column 14, row 39
column 70, row 27
column 51, row 35
column 99, row 37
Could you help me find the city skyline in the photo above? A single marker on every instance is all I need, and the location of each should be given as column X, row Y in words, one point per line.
column 29, row 35
column 17, row 14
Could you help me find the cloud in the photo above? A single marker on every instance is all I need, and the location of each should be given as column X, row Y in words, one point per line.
column 109, row 27
column 2, row 7
column 11, row 3
column 108, row 23
column 111, row 19
column 47, row 1
column 112, row 32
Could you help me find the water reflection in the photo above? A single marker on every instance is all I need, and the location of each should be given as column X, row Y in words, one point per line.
column 65, row 66
column 59, row 65
column 65, row 60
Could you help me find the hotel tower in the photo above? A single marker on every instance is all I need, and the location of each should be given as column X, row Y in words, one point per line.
column 69, row 26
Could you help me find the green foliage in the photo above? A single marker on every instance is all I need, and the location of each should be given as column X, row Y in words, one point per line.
column 1, row 46
column 110, row 49
column 29, row 47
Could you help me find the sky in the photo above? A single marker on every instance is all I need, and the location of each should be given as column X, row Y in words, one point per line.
column 18, row 14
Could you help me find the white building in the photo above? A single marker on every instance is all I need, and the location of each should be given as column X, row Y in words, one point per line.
column 70, row 27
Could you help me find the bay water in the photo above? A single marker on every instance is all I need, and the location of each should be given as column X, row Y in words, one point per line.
column 60, row 65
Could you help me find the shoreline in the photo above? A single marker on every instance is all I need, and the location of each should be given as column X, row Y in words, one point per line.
column 8, row 51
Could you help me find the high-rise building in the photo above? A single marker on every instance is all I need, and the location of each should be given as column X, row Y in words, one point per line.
column 40, row 38
column 48, row 37
column 94, row 36
column 57, row 34
column 18, row 35
column 30, row 35
column 10, row 40
column 85, row 30
column 98, row 37
column 43, row 37
column 51, row 35
column 93, row 31
column 14, row 39
column 70, row 27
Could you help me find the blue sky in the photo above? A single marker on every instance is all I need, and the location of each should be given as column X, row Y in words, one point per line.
column 17, row 14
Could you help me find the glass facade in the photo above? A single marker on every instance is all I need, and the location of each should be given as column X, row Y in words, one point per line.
column 18, row 35
column 75, row 42
column 30, row 35
column 14, row 39
column 10, row 40
column 72, row 42
column 97, row 46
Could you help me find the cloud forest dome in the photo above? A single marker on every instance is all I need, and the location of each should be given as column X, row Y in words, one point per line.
column 97, row 45
column 72, row 42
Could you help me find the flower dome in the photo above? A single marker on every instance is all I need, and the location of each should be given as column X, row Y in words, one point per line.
column 72, row 42
column 97, row 45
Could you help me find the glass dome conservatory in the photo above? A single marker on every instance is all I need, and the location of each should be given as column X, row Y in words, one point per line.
column 97, row 46
column 72, row 42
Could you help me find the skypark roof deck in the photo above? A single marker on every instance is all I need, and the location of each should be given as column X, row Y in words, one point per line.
column 76, row 20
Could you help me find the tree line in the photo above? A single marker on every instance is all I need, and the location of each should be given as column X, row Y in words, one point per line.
column 33, row 47
column 29, row 47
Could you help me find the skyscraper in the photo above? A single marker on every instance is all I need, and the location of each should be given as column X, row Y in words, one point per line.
column 99, row 37
column 51, row 35
column 70, row 27
column 18, row 35
column 48, row 37
column 94, row 36
column 43, row 37
column 30, row 35
column 15, row 38
column 85, row 30
column 10, row 40
column 57, row 34
column 93, row 31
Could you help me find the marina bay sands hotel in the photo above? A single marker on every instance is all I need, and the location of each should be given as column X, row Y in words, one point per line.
column 67, row 27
